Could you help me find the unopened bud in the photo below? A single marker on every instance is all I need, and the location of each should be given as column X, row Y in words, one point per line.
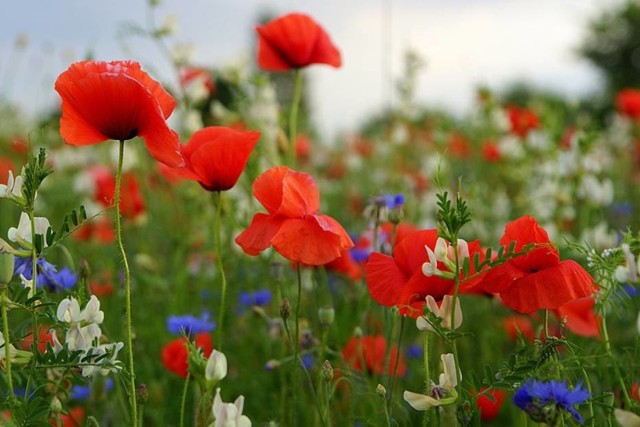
column 276, row 270
column 357, row 332
column 327, row 371
column 85, row 270
column 56, row 405
column 142, row 394
column 381, row 391
column 6, row 267
column 326, row 315
column 271, row 364
column 285, row 309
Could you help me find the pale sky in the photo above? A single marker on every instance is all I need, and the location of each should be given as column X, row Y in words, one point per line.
column 464, row 43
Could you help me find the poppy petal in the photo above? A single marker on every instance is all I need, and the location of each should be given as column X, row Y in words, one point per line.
column 498, row 279
column 220, row 161
column 303, row 240
column 258, row 235
column 549, row 288
column 267, row 188
column 580, row 317
column 331, row 225
column 524, row 231
column 300, row 195
column 384, row 279
column 410, row 253
column 418, row 287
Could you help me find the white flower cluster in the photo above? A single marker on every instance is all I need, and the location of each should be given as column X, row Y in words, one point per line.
column 225, row 414
column 84, row 334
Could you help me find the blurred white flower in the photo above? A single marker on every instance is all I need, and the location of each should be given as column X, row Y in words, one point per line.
column 229, row 414
column 12, row 349
column 22, row 234
column 627, row 273
column 216, row 368
column 626, row 418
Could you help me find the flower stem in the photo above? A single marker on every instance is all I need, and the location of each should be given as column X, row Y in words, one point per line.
column 127, row 290
column 427, row 376
column 394, row 373
column 184, row 400
column 293, row 116
column 223, row 297
column 607, row 347
column 7, row 344
column 296, row 341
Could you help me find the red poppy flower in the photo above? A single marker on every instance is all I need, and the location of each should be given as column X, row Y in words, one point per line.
column 522, row 120
column 628, row 103
column 580, row 317
column 293, row 225
column 373, row 351
column 489, row 409
column 303, row 148
column 132, row 203
column 216, row 156
column 175, row 354
column 294, row 41
column 537, row 279
column 44, row 337
column 117, row 100
column 399, row 280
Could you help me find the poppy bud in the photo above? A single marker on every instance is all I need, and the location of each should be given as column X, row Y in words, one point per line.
column 326, row 315
column 6, row 268
column 56, row 405
column 285, row 309
column 381, row 391
column 327, row 371
column 142, row 394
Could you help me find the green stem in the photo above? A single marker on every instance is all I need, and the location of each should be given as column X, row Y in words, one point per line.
column 293, row 117
column 456, row 285
column 184, row 400
column 218, row 232
column 127, row 289
column 394, row 373
column 427, row 377
column 7, row 344
column 607, row 347
column 296, row 341
column 546, row 323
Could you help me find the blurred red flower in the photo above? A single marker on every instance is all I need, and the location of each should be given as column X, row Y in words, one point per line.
column 44, row 337
column 537, row 279
column 580, row 317
column 293, row 225
column 132, row 203
column 522, row 120
column 459, row 146
column 175, row 354
column 489, row 409
column 98, row 229
column 216, row 156
column 346, row 264
column 73, row 418
column 191, row 75
column 303, row 148
column 517, row 325
column 117, row 100
column 294, row 41
column 373, row 350
column 399, row 280
column 628, row 103
column 491, row 152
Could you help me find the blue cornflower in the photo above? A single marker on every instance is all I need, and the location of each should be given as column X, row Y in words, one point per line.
column 259, row 298
column 535, row 397
column 48, row 274
column 190, row 324
column 360, row 254
column 393, row 201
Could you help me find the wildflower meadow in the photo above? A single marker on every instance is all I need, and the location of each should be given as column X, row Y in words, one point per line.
column 196, row 255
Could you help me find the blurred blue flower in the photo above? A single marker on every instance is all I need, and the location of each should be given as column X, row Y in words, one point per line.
column 259, row 298
column 308, row 361
column 48, row 274
column 414, row 351
column 393, row 201
column 83, row 392
column 534, row 396
column 360, row 254
column 190, row 324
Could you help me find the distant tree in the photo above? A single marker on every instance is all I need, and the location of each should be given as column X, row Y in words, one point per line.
column 612, row 44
